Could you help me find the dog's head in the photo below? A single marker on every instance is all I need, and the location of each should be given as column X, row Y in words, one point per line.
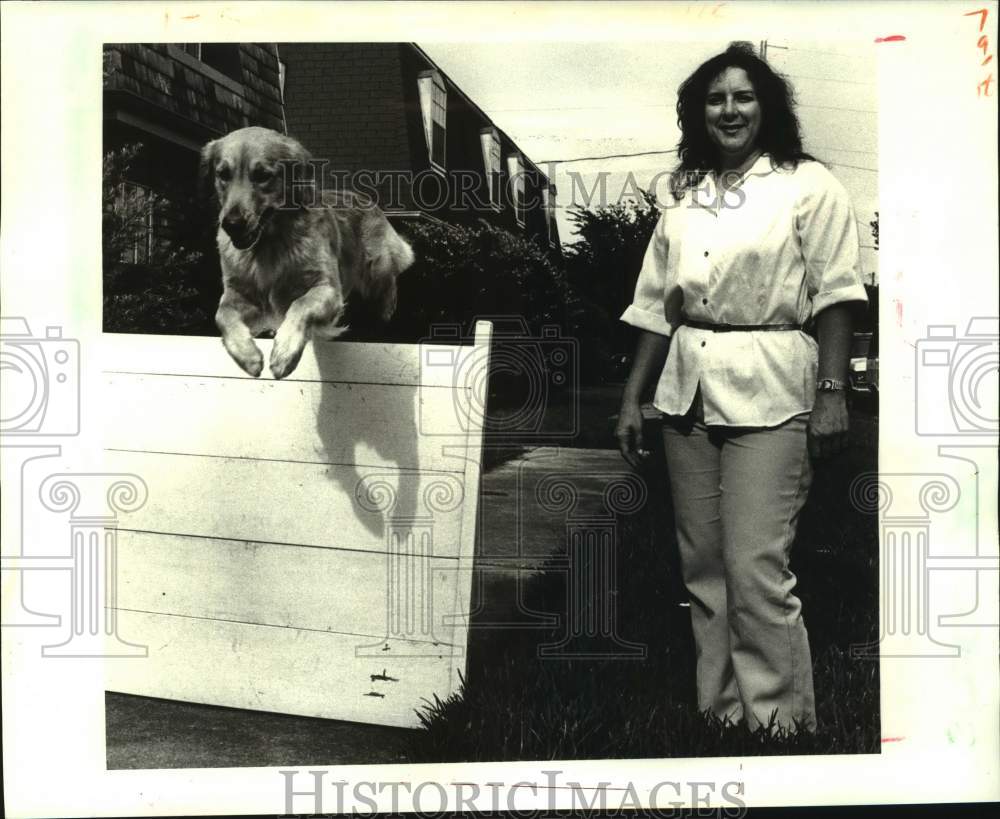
column 255, row 175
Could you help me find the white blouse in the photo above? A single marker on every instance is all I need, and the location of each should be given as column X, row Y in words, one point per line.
column 777, row 249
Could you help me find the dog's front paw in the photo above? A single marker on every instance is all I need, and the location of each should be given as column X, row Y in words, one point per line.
column 286, row 353
column 247, row 355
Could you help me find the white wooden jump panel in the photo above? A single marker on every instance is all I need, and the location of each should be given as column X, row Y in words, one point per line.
column 306, row 546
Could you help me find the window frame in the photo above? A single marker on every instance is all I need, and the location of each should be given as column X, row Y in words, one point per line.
column 178, row 51
column 489, row 142
column 515, row 173
column 548, row 203
column 433, row 94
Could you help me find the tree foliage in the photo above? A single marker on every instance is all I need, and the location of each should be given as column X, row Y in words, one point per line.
column 461, row 273
column 602, row 268
column 156, row 270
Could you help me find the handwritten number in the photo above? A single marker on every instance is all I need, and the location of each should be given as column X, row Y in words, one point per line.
column 983, row 88
column 982, row 18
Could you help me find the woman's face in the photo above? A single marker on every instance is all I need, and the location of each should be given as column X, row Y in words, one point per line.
column 732, row 115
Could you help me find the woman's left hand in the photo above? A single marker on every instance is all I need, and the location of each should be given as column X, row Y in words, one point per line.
column 828, row 424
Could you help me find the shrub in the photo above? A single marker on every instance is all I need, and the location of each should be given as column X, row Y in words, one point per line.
column 602, row 268
column 156, row 268
column 462, row 273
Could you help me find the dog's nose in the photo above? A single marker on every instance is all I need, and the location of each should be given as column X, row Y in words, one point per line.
column 234, row 224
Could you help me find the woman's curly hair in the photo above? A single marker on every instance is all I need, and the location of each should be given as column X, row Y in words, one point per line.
column 779, row 128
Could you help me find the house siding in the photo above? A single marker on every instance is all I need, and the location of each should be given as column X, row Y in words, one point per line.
column 357, row 105
column 344, row 103
column 155, row 81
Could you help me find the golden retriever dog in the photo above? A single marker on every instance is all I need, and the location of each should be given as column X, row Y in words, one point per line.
column 290, row 252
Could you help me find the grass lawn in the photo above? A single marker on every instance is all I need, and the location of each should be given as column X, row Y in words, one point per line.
column 517, row 705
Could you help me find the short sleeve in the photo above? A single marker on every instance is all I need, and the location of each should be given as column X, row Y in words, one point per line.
column 828, row 234
column 648, row 310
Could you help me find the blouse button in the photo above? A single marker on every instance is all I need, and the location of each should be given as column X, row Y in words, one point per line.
column 704, row 301
column 706, row 253
column 703, row 344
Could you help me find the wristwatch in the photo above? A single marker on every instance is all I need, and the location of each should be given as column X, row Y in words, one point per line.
column 830, row 385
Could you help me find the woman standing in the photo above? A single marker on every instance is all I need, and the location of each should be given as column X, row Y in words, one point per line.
column 759, row 240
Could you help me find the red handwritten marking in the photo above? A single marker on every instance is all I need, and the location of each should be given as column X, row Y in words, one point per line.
column 982, row 16
column 892, row 38
column 893, row 739
column 899, row 313
column 191, row 17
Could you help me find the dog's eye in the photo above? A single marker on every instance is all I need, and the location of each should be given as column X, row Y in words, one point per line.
column 223, row 174
column 260, row 175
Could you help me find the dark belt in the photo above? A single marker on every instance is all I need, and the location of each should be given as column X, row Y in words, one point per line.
column 738, row 328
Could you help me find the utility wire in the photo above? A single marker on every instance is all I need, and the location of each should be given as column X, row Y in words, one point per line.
column 829, row 79
column 835, row 108
column 656, row 105
column 818, row 51
column 856, row 167
column 655, row 153
column 608, row 156
column 845, row 150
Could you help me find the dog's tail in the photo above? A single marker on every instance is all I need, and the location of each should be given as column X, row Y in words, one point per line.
column 393, row 256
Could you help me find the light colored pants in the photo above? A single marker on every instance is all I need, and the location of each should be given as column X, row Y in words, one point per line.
column 737, row 495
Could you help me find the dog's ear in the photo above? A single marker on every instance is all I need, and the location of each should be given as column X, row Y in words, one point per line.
column 206, row 170
column 303, row 182
column 294, row 150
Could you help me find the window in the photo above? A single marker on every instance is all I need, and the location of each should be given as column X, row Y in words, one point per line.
column 434, row 110
column 489, row 138
column 515, row 168
column 548, row 202
column 134, row 214
column 224, row 58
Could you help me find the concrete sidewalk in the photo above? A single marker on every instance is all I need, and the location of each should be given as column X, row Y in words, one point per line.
column 517, row 534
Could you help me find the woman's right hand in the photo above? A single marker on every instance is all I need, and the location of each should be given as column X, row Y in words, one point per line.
column 650, row 353
column 629, row 433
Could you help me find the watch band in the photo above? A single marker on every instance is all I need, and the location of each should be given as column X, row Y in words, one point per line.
column 830, row 385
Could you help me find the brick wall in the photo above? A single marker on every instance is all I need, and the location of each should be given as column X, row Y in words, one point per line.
column 344, row 102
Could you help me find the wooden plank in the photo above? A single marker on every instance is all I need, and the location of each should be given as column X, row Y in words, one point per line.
column 309, row 422
column 342, row 361
column 288, row 670
column 271, row 584
column 284, row 502
column 462, row 603
column 258, row 571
